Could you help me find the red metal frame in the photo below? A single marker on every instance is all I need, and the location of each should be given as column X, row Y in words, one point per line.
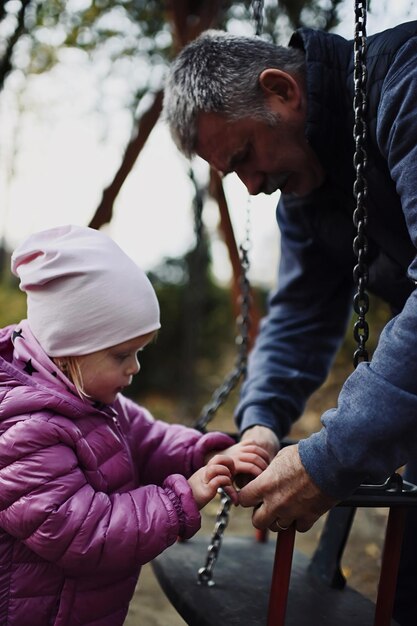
column 281, row 573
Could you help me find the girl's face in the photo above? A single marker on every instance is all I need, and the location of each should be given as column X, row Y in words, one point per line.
column 107, row 372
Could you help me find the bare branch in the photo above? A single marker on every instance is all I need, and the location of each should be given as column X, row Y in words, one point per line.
column 146, row 123
column 226, row 228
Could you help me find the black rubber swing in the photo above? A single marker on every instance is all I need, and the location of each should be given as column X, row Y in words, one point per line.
column 262, row 584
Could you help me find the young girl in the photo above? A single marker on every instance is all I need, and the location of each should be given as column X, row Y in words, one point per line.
column 91, row 486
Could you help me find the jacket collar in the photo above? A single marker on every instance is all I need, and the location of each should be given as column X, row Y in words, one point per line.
column 29, row 379
column 328, row 70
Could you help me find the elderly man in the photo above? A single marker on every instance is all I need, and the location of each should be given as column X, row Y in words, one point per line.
column 282, row 117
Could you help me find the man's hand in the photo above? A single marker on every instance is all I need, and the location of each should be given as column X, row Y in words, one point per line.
column 284, row 493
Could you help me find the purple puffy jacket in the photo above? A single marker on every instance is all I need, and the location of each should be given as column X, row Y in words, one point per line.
column 87, row 494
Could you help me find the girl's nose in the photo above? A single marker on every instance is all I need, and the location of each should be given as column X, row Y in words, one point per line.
column 134, row 367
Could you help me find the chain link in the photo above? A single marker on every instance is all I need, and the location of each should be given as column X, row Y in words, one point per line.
column 205, row 573
column 360, row 188
column 221, row 394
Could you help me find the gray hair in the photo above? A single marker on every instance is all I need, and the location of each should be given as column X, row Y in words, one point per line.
column 218, row 73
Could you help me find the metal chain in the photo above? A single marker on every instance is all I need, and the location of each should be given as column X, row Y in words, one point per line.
column 221, row 394
column 258, row 15
column 205, row 573
column 360, row 188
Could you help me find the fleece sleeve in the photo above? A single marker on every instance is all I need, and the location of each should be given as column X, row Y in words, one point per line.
column 373, row 430
column 306, row 321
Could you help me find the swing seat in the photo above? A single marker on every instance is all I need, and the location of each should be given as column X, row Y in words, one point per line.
column 242, row 593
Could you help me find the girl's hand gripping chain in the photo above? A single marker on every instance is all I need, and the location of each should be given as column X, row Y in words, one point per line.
column 205, row 482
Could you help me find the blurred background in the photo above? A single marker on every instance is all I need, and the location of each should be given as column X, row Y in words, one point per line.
column 81, row 141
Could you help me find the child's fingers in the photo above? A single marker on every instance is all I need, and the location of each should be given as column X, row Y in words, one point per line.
column 250, row 471
column 253, row 448
column 232, row 493
column 222, row 459
column 250, row 464
column 248, row 468
column 245, row 447
column 241, row 461
column 225, row 482
column 214, row 477
column 213, row 470
column 252, row 459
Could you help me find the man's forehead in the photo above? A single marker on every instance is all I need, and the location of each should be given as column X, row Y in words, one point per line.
column 218, row 139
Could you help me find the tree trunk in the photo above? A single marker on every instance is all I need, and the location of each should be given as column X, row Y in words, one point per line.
column 188, row 18
column 226, row 228
column 104, row 211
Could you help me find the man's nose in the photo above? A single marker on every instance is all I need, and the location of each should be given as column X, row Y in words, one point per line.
column 252, row 181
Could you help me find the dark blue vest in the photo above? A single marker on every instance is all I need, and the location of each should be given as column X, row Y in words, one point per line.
column 328, row 212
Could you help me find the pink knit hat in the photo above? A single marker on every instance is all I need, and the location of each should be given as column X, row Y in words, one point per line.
column 83, row 292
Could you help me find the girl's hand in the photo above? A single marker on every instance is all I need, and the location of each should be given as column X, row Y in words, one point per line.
column 217, row 473
column 250, row 460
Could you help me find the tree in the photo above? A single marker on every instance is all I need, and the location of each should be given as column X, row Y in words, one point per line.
column 14, row 25
column 138, row 34
column 135, row 40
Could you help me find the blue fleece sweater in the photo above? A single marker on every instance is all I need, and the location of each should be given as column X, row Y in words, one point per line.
column 373, row 430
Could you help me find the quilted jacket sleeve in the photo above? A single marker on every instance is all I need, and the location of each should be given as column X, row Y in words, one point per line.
column 160, row 449
column 48, row 501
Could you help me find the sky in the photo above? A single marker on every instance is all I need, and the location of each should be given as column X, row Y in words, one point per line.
column 58, row 152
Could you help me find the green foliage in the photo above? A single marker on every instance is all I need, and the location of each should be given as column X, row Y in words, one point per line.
column 133, row 38
column 195, row 347
column 166, row 372
column 12, row 304
column 321, row 15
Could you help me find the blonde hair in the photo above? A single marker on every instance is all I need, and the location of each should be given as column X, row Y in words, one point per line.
column 70, row 366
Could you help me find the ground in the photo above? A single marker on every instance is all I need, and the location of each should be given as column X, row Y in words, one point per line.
column 362, row 557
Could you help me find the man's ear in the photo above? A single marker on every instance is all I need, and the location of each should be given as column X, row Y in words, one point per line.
column 280, row 85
